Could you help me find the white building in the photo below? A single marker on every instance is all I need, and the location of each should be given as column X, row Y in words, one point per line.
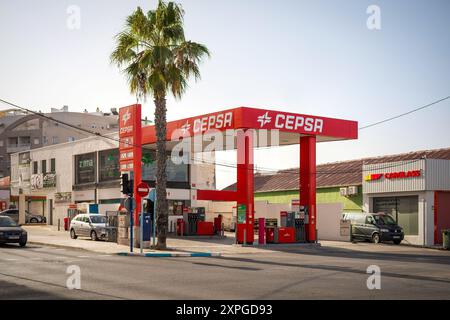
column 86, row 171
column 415, row 192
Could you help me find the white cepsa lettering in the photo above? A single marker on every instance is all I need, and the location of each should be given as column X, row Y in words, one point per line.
column 292, row 122
column 213, row 122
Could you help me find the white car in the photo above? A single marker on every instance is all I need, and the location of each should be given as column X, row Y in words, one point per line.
column 88, row 225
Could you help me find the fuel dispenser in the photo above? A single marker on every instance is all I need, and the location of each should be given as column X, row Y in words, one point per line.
column 190, row 221
column 300, row 224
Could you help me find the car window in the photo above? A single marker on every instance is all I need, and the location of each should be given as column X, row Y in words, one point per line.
column 98, row 219
column 385, row 220
column 7, row 222
column 369, row 220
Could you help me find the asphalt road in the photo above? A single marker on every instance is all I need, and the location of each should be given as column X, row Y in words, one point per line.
column 40, row 272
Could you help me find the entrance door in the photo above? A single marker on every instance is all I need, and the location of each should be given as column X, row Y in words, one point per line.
column 441, row 214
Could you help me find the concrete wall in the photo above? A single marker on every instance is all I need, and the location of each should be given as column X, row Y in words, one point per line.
column 329, row 222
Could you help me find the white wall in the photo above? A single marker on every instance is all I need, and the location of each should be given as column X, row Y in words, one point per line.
column 329, row 221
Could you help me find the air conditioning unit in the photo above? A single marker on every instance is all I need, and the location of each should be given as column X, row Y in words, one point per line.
column 352, row 190
column 343, row 192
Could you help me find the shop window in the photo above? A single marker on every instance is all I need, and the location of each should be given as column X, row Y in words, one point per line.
column 55, row 140
column 175, row 172
column 85, row 168
column 109, row 165
column 404, row 210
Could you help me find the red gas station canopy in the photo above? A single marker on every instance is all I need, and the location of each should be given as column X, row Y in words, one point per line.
column 290, row 125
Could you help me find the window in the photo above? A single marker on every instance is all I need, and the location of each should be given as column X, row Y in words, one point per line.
column 53, row 165
column 55, row 140
column 13, row 141
column 85, row 168
column 109, row 165
column 44, row 166
column 370, row 220
column 175, row 172
column 44, row 140
column 24, row 141
column 35, row 167
column 70, row 139
column 405, row 211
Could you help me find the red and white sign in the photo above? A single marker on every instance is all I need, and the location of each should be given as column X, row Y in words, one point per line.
column 393, row 175
column 129, row 135
column 142, row 189
column 258, row 119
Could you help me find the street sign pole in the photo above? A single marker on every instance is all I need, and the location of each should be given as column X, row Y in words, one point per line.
column 141, row 233
column 131, row 224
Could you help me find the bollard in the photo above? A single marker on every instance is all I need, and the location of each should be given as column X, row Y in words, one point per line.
column 223, row 230
column 245, row 237
column 59, row 224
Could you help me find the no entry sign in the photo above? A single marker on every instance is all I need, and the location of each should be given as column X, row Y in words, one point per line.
column 143, row 189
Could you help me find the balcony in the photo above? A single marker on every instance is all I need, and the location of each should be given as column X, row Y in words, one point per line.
column 13, row 148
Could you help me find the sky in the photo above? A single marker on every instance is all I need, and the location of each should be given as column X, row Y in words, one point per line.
column 309, row 57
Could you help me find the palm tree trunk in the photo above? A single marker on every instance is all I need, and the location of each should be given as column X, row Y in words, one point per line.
column 161, row 176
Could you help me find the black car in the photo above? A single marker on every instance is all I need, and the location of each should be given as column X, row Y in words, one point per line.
column 376, row 227
column 11, row 232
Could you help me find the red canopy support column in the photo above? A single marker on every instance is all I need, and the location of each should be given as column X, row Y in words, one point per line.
column 308, row 182
column 245, row 187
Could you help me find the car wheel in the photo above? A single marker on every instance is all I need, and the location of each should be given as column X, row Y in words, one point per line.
column 72, row 234
column 94, row 236
column 33, row 220
column 375, row 238
column 22, row 243
column 397, row 241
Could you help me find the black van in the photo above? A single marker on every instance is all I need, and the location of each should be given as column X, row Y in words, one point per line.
column 376, row 227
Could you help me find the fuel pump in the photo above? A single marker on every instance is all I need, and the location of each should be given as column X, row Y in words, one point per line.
column 300, row 224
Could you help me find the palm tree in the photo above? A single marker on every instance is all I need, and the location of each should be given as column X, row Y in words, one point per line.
column 157, row 59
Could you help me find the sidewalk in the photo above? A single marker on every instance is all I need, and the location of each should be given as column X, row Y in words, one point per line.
column 49, row 235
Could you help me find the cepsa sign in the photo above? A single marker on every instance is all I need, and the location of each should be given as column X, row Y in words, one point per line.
column 393, row 175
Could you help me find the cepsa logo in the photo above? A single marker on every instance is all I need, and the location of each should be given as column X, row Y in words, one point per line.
column 214, row 121
column 125, row 120
column 291, row 122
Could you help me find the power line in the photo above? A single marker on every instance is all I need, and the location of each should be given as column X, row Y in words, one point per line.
column 404, row 114
column 229, row 165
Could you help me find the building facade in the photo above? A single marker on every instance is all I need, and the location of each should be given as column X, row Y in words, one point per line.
column 416, row 193
column 75, row 174
column 21, row 131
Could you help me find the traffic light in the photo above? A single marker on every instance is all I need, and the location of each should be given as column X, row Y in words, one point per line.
column 126, row 185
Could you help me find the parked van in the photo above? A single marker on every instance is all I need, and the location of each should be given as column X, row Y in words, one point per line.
column 376, row 227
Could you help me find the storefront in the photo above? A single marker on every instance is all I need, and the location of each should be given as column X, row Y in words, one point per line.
column 416, row 193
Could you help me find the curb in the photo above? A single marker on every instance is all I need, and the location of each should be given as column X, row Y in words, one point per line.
column 170, row 255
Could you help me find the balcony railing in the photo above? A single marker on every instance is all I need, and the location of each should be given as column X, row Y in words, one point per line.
column 13, row 148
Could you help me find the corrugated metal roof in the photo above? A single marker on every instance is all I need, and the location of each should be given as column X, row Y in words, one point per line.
column 344, row 173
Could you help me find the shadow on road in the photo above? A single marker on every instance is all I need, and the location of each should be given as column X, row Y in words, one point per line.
column 14, row 291
column 333, row 268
